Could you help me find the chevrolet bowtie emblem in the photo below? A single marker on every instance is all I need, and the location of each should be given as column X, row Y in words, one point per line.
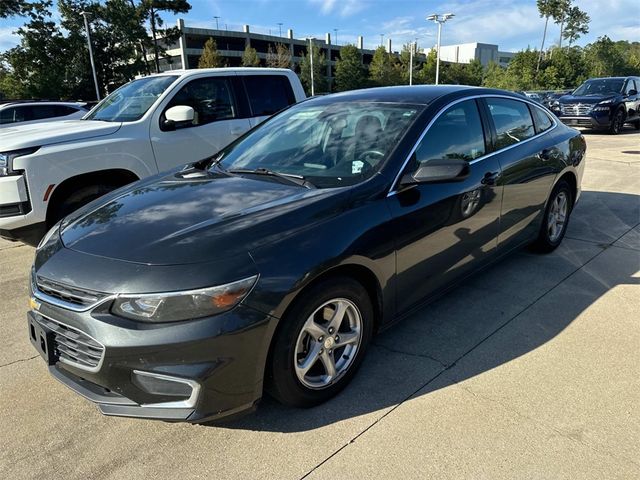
column 34, row 304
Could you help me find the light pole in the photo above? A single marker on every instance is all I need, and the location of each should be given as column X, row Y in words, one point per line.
column 93, row 65
column 311, row 59
column 280, row 28
column 411, row 48
column 335, row 30
column 439, row 19
column 216, row 17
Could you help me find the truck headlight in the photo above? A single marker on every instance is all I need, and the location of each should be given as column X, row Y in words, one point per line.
column 601, row 108
column 6, row 160
column 186, row 305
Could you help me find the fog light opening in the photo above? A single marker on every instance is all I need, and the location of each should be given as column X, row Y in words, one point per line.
column 184, row 390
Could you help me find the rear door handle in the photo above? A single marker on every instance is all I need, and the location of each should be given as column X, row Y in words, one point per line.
column 237, row 131
column 545, row 154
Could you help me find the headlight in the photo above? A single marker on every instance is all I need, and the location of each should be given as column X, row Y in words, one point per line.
column 601, row 108
column 606, row 102
column 176, row 306
column 6, row 160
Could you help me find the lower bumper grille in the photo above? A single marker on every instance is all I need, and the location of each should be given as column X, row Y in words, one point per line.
column 74, row 347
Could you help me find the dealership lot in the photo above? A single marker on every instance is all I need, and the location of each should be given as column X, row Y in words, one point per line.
column 529, row 370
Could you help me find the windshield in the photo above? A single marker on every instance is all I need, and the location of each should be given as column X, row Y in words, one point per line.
column 131, row 101
column 329, row 145
column 602, row 86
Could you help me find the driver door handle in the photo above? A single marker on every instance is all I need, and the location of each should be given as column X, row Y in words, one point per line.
column 490, row 178
column 237, row 131
column 545, row 155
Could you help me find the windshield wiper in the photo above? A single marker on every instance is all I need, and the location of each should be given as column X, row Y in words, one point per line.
column 289, row 177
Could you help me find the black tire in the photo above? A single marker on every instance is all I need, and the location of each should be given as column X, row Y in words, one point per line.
column 617, row 122
column 636, row 124
column 282, row 382
column 545, row 243
column 77, row 199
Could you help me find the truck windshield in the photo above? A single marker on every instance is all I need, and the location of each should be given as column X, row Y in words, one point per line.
column 601, row 86
column 131, row 101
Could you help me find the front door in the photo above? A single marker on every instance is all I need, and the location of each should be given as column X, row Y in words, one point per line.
column 445, row 230
column 215, row 125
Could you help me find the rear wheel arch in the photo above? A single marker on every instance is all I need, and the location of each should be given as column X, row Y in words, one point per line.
column 572, row 180
column 111, row 179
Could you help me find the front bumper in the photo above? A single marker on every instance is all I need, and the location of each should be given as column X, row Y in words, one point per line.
column 216, row 362
column 596, row 120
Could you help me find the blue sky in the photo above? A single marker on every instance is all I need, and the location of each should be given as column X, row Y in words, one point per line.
column 512, row 25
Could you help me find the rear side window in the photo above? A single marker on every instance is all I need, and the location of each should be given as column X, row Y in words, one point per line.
column 16, row 114
column 543, row 122
column 210, row 98
column 64, row 110
column 8, row 115
column 44, row 111
column 512, row 120
column 457, row 134
column 268, row 94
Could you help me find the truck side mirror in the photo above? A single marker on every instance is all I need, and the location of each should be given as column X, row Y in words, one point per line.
column 178, row 116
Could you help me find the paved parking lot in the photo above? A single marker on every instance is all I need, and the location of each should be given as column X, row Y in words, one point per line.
column 529, row 371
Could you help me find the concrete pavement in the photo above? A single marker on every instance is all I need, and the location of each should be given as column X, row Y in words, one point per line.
column 529, row 370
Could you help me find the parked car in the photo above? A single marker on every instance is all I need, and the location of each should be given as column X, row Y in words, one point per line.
column 272, row 264
column 148, row 125
column 21, row 112
column 602, row 103
column 549, row 98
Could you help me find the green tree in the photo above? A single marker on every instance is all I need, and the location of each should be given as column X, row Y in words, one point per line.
column 250, row 57
column 427, row 74
column 280, row 58
column 350, row 73
column 562, row 11
column 494, row 76
column 9, row 8
column 210, row 57
column 547, row 9
column 577, row 24
column 151, row 10
column 319, row 71
column 605, row 58
column 383, row 70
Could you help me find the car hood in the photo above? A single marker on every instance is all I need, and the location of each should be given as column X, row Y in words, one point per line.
column 175, row 220
column 47, row 133
column 585, row 99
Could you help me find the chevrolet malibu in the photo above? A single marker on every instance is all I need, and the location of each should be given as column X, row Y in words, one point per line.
column 270, row 265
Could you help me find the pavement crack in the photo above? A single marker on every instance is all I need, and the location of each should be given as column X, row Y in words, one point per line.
column 19, row 361
column 411, row 354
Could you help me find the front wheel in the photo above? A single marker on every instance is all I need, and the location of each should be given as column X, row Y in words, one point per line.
column 321, row 343
column 556, row 218
column 617, row 122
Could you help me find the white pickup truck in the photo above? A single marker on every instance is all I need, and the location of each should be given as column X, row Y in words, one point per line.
column 152, row 124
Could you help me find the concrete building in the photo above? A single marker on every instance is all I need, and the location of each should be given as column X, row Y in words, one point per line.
column 465, row 52
column 186, row 52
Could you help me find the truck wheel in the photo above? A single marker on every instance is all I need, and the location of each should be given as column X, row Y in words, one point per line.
column 77, row 199
column 636, row 124
column 617, row 123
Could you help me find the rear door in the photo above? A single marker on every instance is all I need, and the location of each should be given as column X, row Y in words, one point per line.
column 528, row 169
column 445, row 230
column 632, row 99
column 217, row 122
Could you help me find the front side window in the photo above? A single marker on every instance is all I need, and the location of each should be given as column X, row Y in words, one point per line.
column 330, row 145
column 457, row 134
column 268, row 94
column 41, row 112
column 630, row 86
column 210, row 98
column 512, row 121
column 131, row 101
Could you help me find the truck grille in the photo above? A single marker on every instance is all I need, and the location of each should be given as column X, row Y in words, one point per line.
column 75, row 296
column 576, row 109
column 73, row 346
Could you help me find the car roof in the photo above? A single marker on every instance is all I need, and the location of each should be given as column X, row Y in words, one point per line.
column 416, row 94
column 4, row 103
column 200, row 71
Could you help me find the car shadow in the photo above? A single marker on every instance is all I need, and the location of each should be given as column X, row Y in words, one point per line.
column 502, row 307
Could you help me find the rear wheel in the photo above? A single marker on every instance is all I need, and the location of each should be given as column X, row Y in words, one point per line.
column 617, row 122
column 556, row 218
column 321, row 343
column 636, row 124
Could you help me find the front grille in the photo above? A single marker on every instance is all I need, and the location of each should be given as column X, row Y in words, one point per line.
column 576, row 109
column 73, row 346
column 73, row 295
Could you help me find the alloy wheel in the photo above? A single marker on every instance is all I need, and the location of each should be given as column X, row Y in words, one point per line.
column 557, row 216
column 328, row 343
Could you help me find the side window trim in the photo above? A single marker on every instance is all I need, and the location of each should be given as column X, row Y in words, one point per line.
column 393, row 190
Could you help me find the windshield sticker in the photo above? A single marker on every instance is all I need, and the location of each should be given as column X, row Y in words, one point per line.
column 356, row 167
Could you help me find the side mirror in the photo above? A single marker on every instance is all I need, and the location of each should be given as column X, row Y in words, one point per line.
column 632, row 92
column 434, row 171
column 178, row 116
